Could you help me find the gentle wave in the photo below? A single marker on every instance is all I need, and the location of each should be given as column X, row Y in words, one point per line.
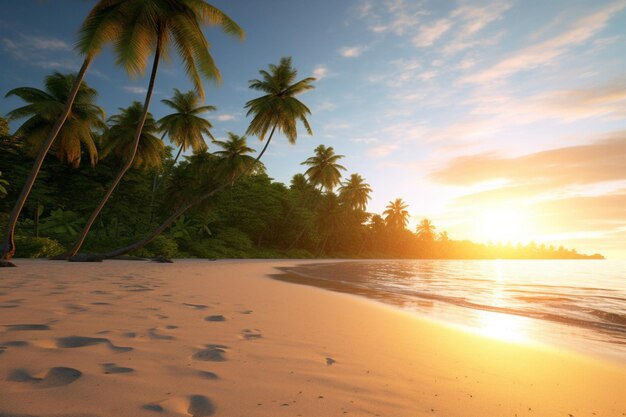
column 588, row 295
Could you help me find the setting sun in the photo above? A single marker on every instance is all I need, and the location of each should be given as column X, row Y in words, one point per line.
column 502, row 224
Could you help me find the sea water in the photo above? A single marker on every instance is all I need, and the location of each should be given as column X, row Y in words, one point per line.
column 579, row 304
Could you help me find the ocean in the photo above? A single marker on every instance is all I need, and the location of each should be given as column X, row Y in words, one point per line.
column 575, row 304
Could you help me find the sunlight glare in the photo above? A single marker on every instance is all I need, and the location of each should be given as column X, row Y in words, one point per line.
column 502, row 225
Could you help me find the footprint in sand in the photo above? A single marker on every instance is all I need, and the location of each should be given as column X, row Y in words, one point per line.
column 215, row 318
column 207, row 375
column 200, row 406
column 248, row 334
column 15, row 343
column 112, row 368
column 26, row 327
column 55, row 377
column 82, row 341
column 196, row 306
column 212, row 353
column 153, row 407
column 154, row 335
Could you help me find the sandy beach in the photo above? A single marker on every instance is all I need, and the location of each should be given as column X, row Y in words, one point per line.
column 200, row 338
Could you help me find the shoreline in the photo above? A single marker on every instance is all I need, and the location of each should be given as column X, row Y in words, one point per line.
column 220, row 338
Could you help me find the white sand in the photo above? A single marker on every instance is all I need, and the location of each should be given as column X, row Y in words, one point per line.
column 127, row 338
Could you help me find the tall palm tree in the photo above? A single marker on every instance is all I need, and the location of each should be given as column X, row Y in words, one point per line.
column 355, row 192
column 396, row 214
column 153, row 25
column 117, row 142
column 324, row 170
column 426, row 230
column 102, row 26
column 234, row 159
column 43, row 109
column 185, row 127
column 277, row 110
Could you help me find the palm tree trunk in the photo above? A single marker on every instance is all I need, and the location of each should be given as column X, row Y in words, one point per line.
column 8, row 245
column 129, row 161
column 182, row 210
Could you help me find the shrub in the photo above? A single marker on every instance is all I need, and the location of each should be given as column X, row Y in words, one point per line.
column 36, row 247
column 161, row 245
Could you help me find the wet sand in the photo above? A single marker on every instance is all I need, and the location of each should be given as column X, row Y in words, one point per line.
column 199, row 338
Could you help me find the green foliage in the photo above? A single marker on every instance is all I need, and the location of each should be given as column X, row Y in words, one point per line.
column 37, row 247
column 61, row 224
column 3, row 184
column 161, row 246
column 43, row 108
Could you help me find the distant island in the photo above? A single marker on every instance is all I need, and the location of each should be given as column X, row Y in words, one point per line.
column 319, row 214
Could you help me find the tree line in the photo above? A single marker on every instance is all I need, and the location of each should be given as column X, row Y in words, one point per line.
column 208, row 204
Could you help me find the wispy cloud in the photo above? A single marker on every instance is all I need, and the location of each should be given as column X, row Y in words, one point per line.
column 135, row 90
column 547, row 51
column 44, row 52
column 352, row 51
column 382, row 150
column 428, row 34
column 320, row 71
column 225, row 117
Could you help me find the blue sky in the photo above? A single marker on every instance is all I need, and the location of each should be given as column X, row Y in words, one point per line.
column 500, row 120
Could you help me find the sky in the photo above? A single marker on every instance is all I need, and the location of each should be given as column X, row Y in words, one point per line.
column 499, row 120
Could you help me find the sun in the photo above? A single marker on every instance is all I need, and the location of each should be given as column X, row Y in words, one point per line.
column 502, row 225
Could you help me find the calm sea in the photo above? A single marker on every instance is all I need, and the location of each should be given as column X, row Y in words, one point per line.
column 578, row 304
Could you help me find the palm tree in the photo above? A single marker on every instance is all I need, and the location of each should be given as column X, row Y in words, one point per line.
column 324, row 170
column 396, row 214
column 443, row 236
column 43, row 109
column 426, row 230
column 153, row 25
column 185, row 127
column 122, row 126
column 277, row 110
column 355, row 192
column 234, row 160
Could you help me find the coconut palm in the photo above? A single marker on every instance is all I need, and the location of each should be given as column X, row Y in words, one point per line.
column 355, row 192
column 43, row 109
column 234, row 160
column 117, row 138
column 324, row 170
column 185, row 127
column 152, row 25
column 426, row 230
column 396, row 214
column 277, row 110
column 101, row 26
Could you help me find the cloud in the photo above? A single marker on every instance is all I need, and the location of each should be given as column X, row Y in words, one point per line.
column 325, row 105
column 599, row 161
column 225, row 117
column 352, row 51
column 44, row 52
column 382, row 150
column 545, row 52
column 320, row 71
column 428, row 34
column 135, row 90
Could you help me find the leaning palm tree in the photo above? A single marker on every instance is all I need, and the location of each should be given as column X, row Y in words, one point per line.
column 101, row 26
column 426, row 230
column 117, row 139
column 234, row 159
column 396, row 214
column 42, row 110
column 185, row 127
column 277, row 110
column 152, row 26
column 355, row 192
column 324, row 171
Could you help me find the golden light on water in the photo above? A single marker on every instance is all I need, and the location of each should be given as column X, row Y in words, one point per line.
column 502, row 326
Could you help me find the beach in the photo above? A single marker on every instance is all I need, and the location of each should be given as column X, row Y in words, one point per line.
column 201, row 338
